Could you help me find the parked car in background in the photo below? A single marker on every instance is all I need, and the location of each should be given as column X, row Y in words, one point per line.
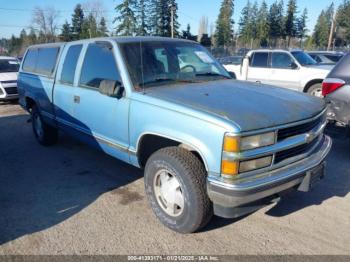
column 8, row 78
column 208, row 144
column 336, row 89
column 295, row 70
column 326, row 58
column 231, row 60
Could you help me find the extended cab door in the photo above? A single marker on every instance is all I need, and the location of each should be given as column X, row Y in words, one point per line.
column 102, row 119
column 65, row 88
column 285, row 72
column 259, row 70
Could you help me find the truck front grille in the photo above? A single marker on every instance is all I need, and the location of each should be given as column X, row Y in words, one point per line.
column 11, row 90
column 299, row 129
column 295, row 151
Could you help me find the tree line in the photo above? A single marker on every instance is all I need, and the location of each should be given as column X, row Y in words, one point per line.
column 259, row 25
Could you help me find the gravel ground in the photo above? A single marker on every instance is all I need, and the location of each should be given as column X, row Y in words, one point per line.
column 71, row 199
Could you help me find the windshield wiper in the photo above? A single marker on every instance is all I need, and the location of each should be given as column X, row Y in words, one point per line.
column 160, row 80
column 212, row 74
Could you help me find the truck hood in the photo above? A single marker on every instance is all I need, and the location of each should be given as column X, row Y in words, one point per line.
column 11, row 76
column 249, row 106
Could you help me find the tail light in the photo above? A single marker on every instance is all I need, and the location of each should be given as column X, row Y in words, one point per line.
column 329, row 85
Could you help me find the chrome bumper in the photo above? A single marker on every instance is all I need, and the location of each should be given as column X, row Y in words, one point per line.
column 230, row 195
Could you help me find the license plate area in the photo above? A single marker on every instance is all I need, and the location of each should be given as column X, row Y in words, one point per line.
column 312, row 177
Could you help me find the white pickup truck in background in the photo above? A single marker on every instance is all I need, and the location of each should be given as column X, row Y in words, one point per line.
column 294, row 70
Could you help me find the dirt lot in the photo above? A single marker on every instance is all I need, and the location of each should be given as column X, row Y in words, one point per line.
column 71, row 199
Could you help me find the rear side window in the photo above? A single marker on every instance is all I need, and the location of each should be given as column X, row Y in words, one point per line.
column 29, row 62
column 260, row 59
column 99, row 64
column 334, row 58
column 70, row 64
column 41, row 60
column 47, row 58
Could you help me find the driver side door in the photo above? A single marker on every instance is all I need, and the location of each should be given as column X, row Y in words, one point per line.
column 102, row 120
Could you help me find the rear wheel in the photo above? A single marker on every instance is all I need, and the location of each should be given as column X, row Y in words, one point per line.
column 45, row 134
column 175, row 184
column 315, row 90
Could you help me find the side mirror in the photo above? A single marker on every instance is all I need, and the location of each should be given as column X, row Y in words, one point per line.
column 232, row 75
column 293, row 65
column 111, row 88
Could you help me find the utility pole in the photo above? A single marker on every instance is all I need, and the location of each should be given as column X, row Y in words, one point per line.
column 330, row 39
column 172, row 9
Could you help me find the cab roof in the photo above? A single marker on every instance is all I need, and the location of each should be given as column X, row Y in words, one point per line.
column 123, row 39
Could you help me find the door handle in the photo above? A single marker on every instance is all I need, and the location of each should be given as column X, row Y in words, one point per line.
column 77, row 99
column 259, row 82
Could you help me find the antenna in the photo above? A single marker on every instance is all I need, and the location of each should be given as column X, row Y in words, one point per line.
column 143, row 80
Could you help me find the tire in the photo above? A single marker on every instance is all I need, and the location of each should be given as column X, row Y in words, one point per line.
column 315, row 90
column 183, row 166
column 45, row 134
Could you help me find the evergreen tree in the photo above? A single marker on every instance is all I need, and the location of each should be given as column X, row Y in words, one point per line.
column 163, row 18
column 301, row 26
column 224, row 24
column 141, row 17
column 91, row 26
column 127, row 24
column 102, row 28
column 321, row 30
column 246, row 24
column 153, row 17
column 343, row 21
column 77, row 22
column 290, row 24
column 66, row 35
column 32, row 37
column 275, row 22
column 262, row 24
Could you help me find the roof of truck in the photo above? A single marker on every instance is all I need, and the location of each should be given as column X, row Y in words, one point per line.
column 122, row 39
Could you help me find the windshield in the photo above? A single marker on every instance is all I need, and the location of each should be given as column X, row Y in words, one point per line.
column 9, row 65
column 303, row 58
column 159, row 63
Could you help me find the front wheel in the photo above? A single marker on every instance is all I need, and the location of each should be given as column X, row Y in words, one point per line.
column 45, row 134
column 175, row 184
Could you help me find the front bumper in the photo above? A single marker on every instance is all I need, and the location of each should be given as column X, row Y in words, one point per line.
column 264, row 186
column 5, row 96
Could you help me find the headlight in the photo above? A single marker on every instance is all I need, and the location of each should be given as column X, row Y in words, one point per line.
column 236, row 144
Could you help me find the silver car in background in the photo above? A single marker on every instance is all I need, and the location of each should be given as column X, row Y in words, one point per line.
column 8, row 77
column 336, row 90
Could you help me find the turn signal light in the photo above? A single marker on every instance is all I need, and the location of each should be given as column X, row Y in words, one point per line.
column 231, row 144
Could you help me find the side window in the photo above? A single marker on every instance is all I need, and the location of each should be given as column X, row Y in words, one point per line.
column 260, row 59
column 47, row 58
column 70, row 64
column 30, row 60
column 99, row 64
column 281, row 60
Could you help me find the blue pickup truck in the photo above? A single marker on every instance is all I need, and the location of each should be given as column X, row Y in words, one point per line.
column 208, row 144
